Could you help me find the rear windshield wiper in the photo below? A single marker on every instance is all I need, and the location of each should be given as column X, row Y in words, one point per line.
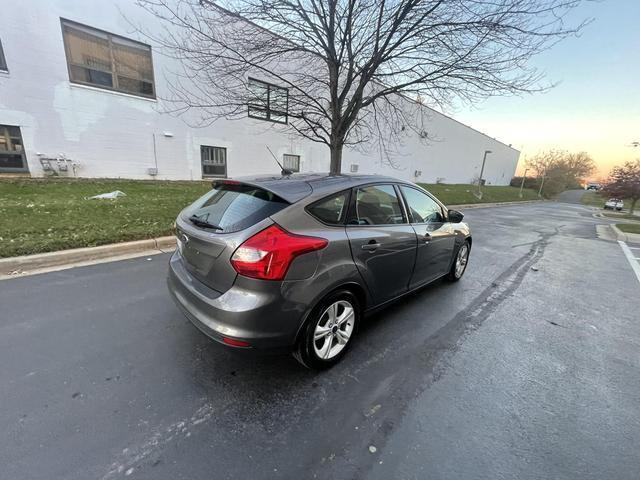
column 200, row 222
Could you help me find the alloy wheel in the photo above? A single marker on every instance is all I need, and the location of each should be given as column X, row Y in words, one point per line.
column 334, row 329
column 461, row 260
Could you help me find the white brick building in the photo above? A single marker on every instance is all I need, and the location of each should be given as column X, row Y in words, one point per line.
column 76, row 80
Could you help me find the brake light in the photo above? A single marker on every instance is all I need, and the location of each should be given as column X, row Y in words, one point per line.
column 235, row 343
column 269, row 253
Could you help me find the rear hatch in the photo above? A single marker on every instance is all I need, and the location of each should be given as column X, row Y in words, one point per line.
column 211, row 229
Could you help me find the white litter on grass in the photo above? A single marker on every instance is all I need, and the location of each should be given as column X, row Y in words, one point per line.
column 109, row 196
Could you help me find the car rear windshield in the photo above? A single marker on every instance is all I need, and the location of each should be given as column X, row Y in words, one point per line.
column 233, row 207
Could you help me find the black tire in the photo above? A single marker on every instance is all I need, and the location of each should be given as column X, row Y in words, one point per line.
column 454, row 275
column 305, row 352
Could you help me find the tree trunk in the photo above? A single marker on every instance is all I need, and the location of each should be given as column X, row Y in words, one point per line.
column 335, row 166
column 633, row 205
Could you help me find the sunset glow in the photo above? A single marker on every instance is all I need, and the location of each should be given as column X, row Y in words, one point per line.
column 595, row 106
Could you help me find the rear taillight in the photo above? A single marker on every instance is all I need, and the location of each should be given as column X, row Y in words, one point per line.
column 235, row 343
column 268, row 254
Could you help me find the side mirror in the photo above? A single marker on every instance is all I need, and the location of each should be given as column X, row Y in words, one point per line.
column 455, row 216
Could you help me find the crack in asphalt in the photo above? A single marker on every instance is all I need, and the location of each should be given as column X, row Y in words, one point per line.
column 421, row 364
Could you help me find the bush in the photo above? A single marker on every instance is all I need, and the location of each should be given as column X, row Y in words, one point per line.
column 529, row 182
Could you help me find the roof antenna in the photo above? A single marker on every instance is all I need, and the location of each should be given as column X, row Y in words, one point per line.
column 283, row 171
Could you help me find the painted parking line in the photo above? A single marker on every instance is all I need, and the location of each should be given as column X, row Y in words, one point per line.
column 633, row 261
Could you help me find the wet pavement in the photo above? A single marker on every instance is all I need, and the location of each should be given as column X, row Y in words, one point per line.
column 527, row 368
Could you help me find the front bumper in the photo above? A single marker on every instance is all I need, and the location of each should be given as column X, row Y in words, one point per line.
column 252, row 311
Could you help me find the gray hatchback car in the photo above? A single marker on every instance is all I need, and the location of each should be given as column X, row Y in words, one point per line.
column 295, row 261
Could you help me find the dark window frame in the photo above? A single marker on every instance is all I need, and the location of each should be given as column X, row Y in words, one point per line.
column 296, row 169
column 226, row 162
column 4, row 131
column 3, row 60
column 351, row 212
column 110, row 36
column 348, row 192
column 269, row 112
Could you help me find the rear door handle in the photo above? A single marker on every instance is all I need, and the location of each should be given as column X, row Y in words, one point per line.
column 426, row 238
column 371, row 246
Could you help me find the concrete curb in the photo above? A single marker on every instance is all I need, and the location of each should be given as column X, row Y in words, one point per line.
column 17, row 265
column 624, row 236
column 497, row 204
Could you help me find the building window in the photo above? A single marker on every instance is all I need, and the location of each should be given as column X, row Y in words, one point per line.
column 3, row 61
column 214, row 161
column 12, row 157
column 107, row 61
column 291, row 162
column 267, row 101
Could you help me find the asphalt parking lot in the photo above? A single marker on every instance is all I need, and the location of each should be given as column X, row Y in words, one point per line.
column 527, row 368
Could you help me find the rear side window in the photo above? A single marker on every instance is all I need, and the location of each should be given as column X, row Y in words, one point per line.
column 422, row 208
column 330, row 210
column 234, row 206
column 376, row 205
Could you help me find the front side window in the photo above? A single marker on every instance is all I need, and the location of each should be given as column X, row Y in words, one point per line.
column 214, row 161
column 11, row 149
column 376, row 205
column 234, row 206
column 3, row 61
column 422, row 208
column 108, row 61
column 291, row 162
column 268, row 101
column 330, row 210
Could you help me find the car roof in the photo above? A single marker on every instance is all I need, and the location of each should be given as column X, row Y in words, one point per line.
column 297, row 186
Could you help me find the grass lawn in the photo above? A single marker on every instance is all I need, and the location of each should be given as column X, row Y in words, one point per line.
column 44, row 215
column 47, row 215
column 464, row 193
column 629, row 227
column 597, row 199
column 622, row 216
column 594, row 199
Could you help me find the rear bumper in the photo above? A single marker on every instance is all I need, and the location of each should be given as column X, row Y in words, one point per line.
column 261, row 317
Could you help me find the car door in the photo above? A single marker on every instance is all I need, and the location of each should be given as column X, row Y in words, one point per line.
column 383, row 244
column 436, row 236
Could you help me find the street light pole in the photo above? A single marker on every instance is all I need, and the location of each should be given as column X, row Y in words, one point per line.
column 484, row 159
column 544, row 175
column 524, row 177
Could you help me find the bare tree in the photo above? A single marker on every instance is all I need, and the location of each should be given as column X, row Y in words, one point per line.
column 542, row 161
column 624, row 183
column 356, row 71
column 561, row 170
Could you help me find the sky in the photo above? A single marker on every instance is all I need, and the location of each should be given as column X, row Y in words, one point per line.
column 596, row 105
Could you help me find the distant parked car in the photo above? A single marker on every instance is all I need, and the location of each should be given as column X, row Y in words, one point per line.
column 593, row 186
column 295, row 262
column 614, row 204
